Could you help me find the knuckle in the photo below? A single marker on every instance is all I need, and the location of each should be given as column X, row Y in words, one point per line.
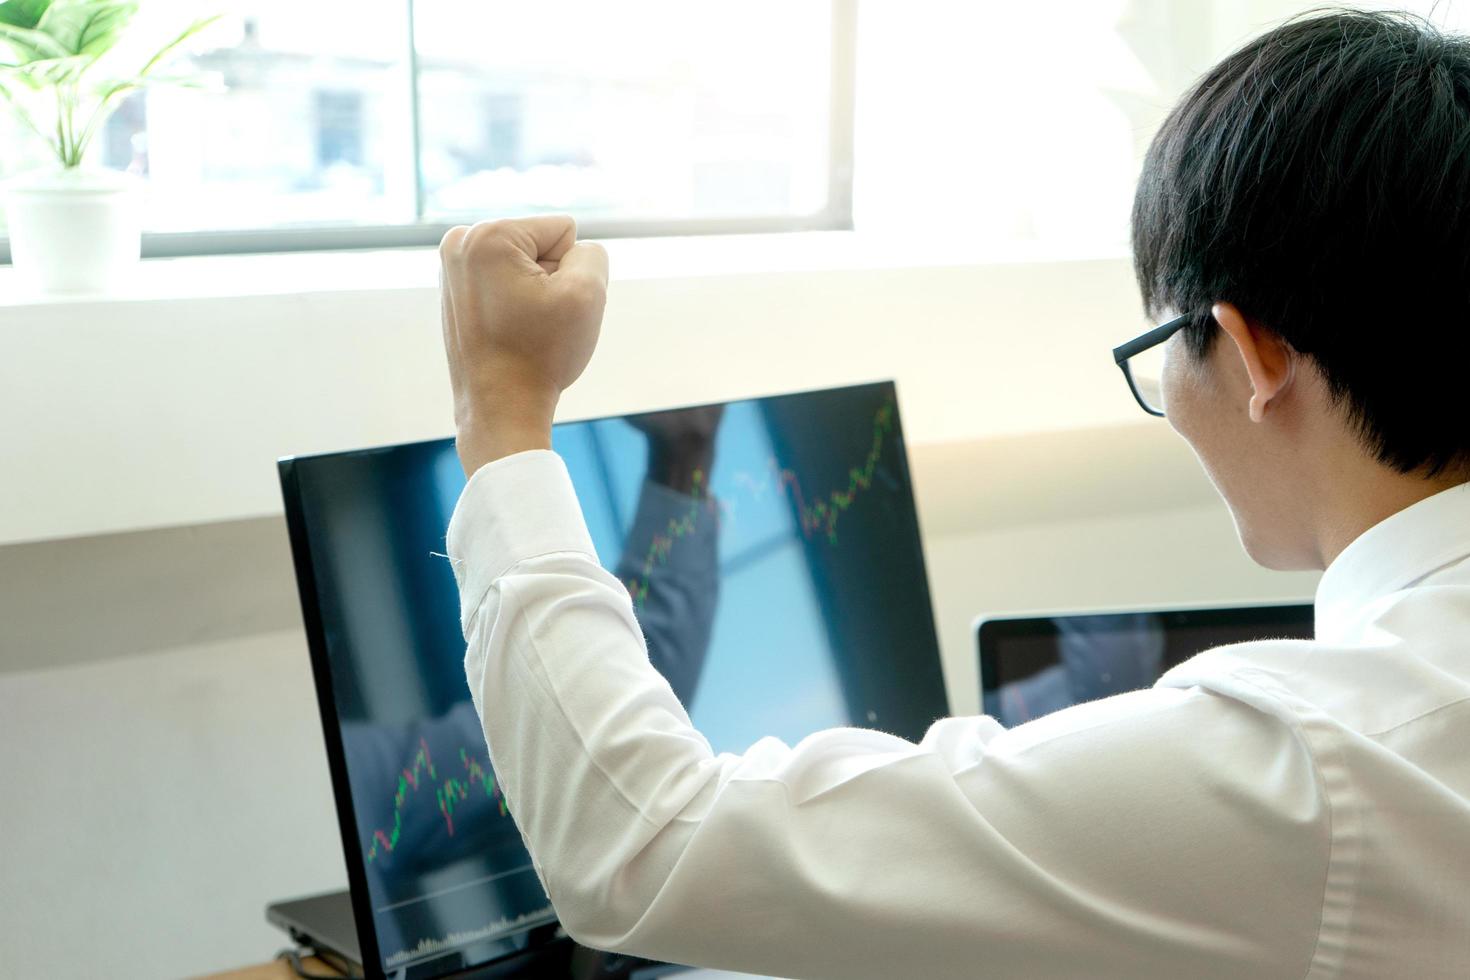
column 487, row 238
column 451, row 240
column 585, row 291
column 496, row 228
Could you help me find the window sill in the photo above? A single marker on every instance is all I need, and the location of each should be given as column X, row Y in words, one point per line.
column 632, row 259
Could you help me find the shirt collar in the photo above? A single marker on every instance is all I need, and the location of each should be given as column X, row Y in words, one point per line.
column 1391, row 555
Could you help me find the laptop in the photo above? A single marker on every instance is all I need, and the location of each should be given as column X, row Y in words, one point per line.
column 322, row 922
column 771, row 554
column 1037, row 663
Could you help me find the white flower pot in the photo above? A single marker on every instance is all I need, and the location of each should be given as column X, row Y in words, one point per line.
column 74, row 231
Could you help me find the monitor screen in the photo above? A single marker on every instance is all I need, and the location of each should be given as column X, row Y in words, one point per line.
column 1031, row 666
column 771, row 554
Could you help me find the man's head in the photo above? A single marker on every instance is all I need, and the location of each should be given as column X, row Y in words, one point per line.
column 1309, row 199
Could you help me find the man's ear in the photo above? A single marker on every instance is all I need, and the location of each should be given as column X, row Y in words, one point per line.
column 1267, row 358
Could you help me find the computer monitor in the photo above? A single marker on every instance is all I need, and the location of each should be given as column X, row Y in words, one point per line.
column 1035, row 664
column 771, row 553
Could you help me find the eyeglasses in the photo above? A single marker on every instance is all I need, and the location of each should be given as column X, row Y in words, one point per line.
column 1142, row 363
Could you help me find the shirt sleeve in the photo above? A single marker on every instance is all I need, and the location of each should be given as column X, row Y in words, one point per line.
column 1164, row 833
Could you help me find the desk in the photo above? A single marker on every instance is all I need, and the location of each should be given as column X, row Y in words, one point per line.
column 281, row 970
column 274, row 970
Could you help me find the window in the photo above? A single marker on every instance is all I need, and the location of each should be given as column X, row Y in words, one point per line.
column 379, row 122
column 1016, row 128
column 339, row 126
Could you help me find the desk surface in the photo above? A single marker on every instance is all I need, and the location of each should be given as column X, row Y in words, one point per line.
column 281, row 970
column 274, row 970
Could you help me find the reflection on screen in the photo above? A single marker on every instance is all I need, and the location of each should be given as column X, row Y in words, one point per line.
column 769, row 549
column 1044, row 665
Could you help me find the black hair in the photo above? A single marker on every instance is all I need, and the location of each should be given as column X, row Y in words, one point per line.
column 1319, row 179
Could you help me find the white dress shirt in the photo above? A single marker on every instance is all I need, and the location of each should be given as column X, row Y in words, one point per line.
column 1272, row 809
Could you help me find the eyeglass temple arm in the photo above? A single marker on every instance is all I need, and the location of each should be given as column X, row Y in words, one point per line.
column 1153, row 338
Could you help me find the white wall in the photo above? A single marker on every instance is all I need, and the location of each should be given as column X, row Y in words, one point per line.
column 154, row 803
column 184, row 395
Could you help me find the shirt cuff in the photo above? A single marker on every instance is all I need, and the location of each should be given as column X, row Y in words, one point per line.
column 514, row 508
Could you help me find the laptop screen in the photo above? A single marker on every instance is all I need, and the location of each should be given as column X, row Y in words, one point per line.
column 1031, row 666
column 771, row 554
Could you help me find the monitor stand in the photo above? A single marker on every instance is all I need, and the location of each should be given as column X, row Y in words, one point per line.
column 322, row 921
column 325, row 922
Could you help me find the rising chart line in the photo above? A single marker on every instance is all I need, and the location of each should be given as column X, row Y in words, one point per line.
column 821, row 515
column 448, row 793
column 662, row 544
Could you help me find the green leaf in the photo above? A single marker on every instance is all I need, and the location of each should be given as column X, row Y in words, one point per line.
column 87, row 27
column 184, row 35
column 104, row 28
column 68, row 38
column 23, row 13
column 50, row 72
column 117, row 88
column 31, row 44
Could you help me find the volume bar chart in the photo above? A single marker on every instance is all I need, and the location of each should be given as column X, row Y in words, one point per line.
column 428, row 948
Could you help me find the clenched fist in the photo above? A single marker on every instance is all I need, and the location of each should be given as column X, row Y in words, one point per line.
column 522, row 303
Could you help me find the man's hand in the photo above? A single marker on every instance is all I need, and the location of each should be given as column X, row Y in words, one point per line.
column 522, row 302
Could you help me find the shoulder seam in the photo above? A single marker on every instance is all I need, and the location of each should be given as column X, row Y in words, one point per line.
column 1295, row 724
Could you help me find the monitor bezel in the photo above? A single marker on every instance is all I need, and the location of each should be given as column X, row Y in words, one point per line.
column 321, row 673
column 527, row 941
column 289, row 473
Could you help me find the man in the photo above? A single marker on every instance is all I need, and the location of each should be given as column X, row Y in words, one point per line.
column 1275, row 809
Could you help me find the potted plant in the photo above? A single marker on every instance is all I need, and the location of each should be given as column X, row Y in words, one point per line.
column 73, row 228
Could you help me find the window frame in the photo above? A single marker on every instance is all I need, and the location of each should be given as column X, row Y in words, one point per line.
column 835, row 215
